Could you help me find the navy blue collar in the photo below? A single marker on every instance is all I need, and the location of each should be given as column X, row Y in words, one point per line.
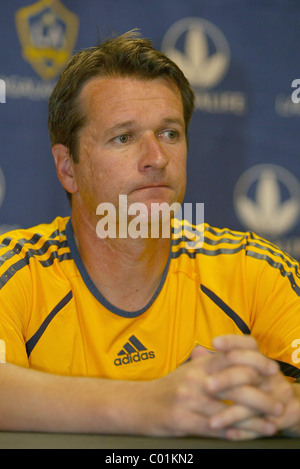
column 94, row 290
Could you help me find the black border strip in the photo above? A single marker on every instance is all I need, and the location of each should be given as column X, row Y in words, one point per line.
column 289, row 370
column 238, row 321
column 31, row 343
column 92, row 287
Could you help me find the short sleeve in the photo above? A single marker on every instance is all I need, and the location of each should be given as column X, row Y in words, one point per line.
column 273, row 279
column 15, row 299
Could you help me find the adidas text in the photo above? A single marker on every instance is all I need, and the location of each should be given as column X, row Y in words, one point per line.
column 134, row 358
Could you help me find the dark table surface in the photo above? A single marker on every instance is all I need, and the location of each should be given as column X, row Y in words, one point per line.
column 17, row 440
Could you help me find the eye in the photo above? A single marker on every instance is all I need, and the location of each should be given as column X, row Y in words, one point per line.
column 122, row 139
column 170, row 134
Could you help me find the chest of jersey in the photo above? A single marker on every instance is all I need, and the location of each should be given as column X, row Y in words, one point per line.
column 84, row 338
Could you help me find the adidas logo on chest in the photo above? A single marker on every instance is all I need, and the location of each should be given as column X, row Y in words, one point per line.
column 133, row 351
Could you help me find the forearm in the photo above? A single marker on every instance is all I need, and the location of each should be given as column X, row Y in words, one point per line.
column 35, row 401
column 173, row 405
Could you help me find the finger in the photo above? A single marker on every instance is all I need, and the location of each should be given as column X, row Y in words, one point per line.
column 231, row 377
column 196, row 424
column 230, row 416
column 207, row 406
column 237, row 434
column 242, row 418
column 264, row 429
column 200, row 351
column 211, row 362
column 261, row 426
column 243, row 350
column 193, row 397
column 258, row 361
column 228, row 342
column 255, row 399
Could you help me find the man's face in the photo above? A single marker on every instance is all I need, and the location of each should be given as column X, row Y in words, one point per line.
column 134, row 143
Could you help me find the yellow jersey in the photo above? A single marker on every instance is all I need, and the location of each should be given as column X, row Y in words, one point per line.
column 53, row 318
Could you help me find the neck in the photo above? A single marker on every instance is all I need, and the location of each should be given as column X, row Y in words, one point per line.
column 126, row 271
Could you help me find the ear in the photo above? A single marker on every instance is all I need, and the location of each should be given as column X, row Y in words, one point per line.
column 64, row 167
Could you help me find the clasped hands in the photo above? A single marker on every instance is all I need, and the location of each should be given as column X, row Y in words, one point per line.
column 234, row 393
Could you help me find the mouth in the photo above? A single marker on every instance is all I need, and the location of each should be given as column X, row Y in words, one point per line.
column 152, row 187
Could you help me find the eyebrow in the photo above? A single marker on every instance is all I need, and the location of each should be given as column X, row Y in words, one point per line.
column 128, row 125
column 174, row 120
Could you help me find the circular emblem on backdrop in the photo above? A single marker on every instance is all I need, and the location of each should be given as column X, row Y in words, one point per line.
column 200, row 49
column 267, row 200
column 2, row 186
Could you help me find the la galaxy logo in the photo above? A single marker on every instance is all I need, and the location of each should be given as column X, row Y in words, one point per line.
column 48, row 32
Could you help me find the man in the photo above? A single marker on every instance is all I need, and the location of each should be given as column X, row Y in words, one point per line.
column 141, row 335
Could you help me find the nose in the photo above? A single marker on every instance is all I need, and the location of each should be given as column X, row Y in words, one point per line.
column 152, row 154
